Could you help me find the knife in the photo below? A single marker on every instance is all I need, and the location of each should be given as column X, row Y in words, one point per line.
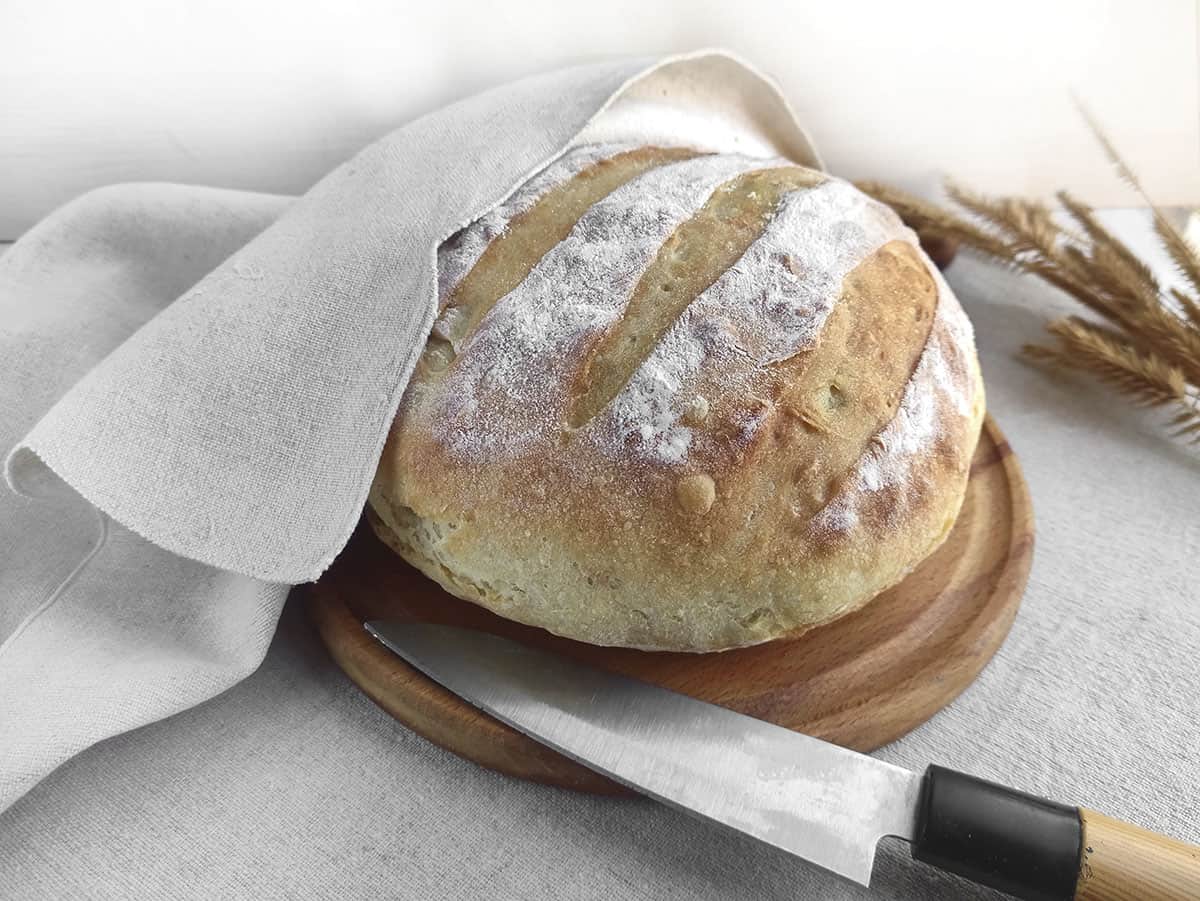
column 819, row 801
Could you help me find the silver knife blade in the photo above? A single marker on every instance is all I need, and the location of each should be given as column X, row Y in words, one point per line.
column 824, row 803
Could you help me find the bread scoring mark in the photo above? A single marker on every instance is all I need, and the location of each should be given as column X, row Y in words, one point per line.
column 459, row 254
column 686, row 264
column 508, row 390
column 765, row 309
column 521, row 231
column 894, row 473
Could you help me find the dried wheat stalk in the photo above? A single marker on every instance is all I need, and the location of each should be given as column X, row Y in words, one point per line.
column 1148, row 345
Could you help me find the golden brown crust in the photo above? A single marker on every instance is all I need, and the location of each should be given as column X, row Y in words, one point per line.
column 793, row 440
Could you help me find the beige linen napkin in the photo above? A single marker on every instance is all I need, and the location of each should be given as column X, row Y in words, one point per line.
column 206, row 379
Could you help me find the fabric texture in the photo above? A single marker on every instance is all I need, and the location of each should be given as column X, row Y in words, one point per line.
column 204, row 380
column 100, row 630
column 293, row 784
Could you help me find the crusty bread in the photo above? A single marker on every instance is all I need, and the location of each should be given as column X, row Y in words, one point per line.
column 681, row 401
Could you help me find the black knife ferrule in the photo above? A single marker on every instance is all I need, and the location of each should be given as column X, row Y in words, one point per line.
column 1020, row 844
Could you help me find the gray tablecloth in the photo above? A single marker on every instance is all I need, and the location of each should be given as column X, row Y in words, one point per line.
column 293, row 784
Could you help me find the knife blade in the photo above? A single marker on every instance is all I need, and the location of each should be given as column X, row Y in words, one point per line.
column 824, row 803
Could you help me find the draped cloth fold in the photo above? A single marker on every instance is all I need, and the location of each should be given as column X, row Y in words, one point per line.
column 204, row 380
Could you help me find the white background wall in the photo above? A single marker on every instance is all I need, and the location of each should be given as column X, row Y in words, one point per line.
column 271, row 95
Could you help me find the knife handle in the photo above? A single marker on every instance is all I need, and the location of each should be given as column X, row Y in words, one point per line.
column 1122, row 862
column 1043, row 851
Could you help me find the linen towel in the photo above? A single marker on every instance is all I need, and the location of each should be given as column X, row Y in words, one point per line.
column 204, row 380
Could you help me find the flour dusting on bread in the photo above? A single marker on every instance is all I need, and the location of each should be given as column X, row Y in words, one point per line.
column 459, row 253
column 767, row 308
column 521, row 355
column 506, row 397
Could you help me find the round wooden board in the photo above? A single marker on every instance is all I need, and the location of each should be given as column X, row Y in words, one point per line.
column 861, row 681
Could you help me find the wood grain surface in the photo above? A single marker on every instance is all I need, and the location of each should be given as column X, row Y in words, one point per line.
column 861, row 681
column 1122, row 862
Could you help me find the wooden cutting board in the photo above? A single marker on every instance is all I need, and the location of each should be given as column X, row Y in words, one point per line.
column 861, row 681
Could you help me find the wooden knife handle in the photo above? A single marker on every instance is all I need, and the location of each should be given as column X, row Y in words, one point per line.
column 1120, row 862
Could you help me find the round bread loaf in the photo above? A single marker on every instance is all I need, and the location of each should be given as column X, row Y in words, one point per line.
column 681, row 401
